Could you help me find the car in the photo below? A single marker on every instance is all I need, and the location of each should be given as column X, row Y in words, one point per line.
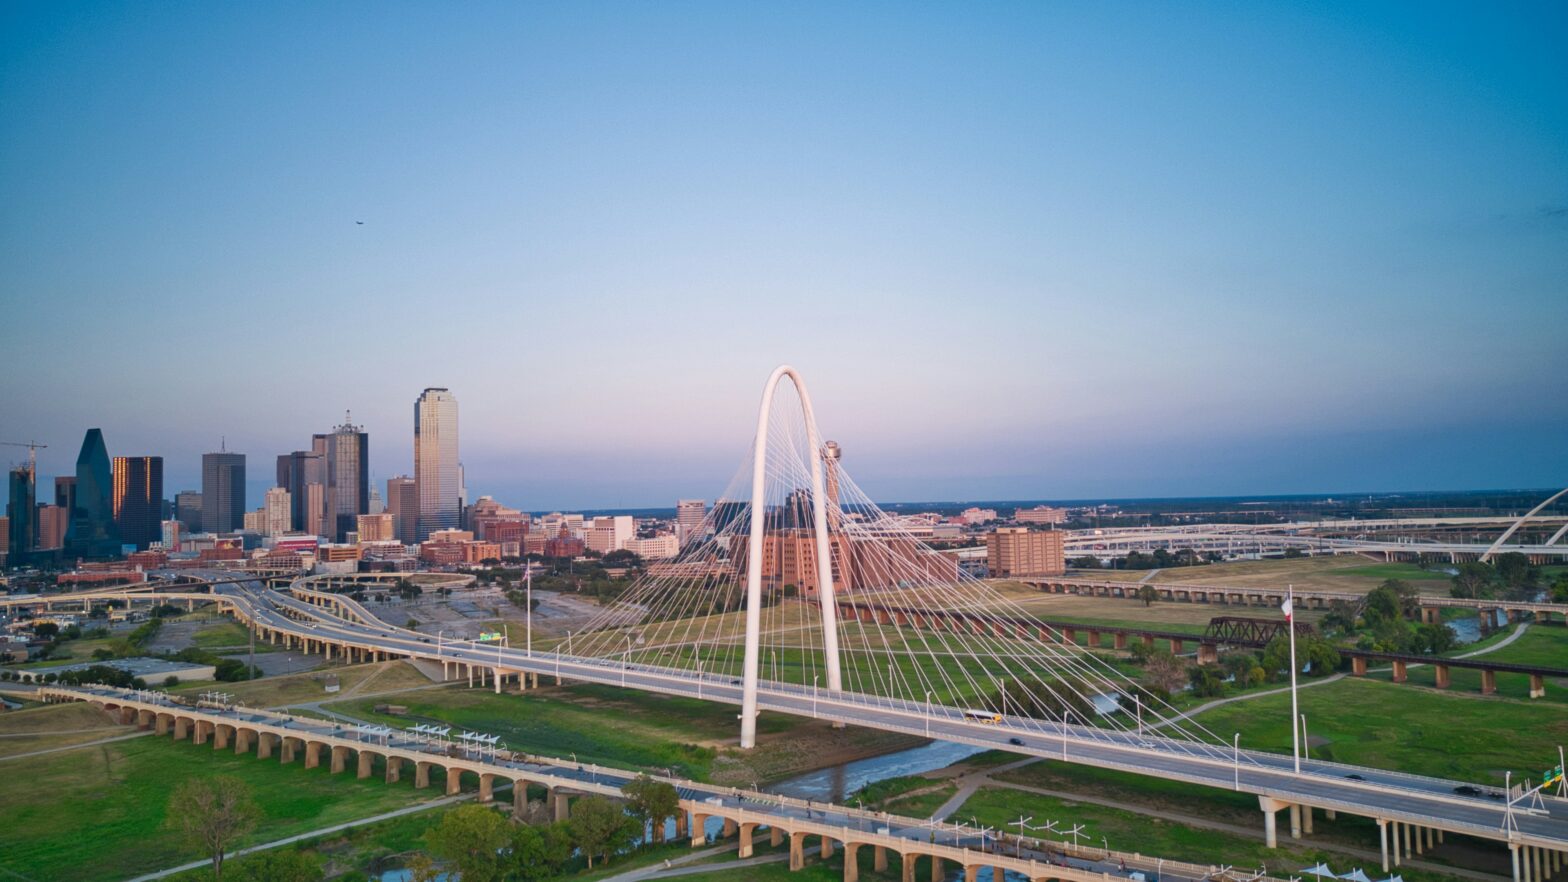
column 734, row 682
column 1467, row 790
column 1019, row 742
column 1355, row 777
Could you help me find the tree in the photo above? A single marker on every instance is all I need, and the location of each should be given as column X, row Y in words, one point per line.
column 281, row 865
column 599, row 826
column 1164, row 672
column 1473, row 580
column 46, row 630
column 1435, row 639
column 1515, row 569
column 1310, row 650
column 1087, row 562
column 651, row 803
column 1208, row 681
column 538, row 852
column 470, row 836
column 1148, row 595
column 211, row 813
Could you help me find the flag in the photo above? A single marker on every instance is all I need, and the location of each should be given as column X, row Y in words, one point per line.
column 1286, row 608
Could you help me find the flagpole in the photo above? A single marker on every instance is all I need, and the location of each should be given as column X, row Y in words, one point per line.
column 1295, row 710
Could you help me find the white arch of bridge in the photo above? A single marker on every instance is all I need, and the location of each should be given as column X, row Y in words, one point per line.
column 1519, row 523
column 748, row 710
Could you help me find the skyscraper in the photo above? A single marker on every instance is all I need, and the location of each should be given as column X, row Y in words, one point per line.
column 65, row 493
column 92, row 532
column 347, row 454
column 295, row 471
column 187, row 510
column 138, row 499
column 222, row 491
column 403, row 503
column 23, row 513
column 688, row 517
column 279, row 510
column 436, row 470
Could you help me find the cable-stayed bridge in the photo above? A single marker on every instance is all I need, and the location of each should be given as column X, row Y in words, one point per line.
column 748, row 614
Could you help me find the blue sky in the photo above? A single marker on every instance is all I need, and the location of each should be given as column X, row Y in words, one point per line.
column 1035, row 250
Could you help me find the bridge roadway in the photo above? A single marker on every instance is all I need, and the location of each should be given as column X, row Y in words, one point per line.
column 704, row 809
column 1400, row 803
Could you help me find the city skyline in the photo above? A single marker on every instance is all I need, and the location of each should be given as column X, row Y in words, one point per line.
column 1084, row 255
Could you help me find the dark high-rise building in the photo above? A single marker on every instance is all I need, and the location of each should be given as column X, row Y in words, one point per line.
column 222, row 491
column 187, row 510
column 65, row 493
column 347, row 451
column 138, row 499
column 23, row 513
column 92, row 532
column 296, row 471
column 403, row 503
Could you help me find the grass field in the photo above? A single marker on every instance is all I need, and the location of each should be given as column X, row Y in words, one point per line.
column 1136, row 832
column 49, row 726
column 627, row 729
column 310, row 686
column 120, row 793
column 227, row 635
column 1328, row 573
column 1401, row 727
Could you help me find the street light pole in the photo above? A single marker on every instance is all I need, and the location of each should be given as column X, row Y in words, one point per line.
column 528, row 580
column 1236, row 758
column 928, row 714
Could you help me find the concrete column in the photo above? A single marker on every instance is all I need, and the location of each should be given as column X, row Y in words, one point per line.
column 1306, row 819
column 182, row 727
column 563, row 806
column 286, row 751
column 730, row 828
column 683, row 826
column 264, row 745
column 699, row 827
column 851, row 862
column 486, row 787
column 1537, row 685
column 1420, row 833
column 520, row 801
column 1401, row 671
column 1395, row 831
column 312, row 754
column 936, row 869
column 220, row 736
column 1488, row 682
column 394, row 768
column 745, row 839
column 1382, row 838
column 242, row 739
column 775, row 835
column 1513, row 852
column 972, row 873
column 907, row 867
column 797, row 851
column 879, row 858
column 827, row 847
column 1270, row 835
column 496, row 676
column 454, row 781
column 1408, row 837
column 1441, row 673
column 998, row 874
column 421, row 775
column 367, row 762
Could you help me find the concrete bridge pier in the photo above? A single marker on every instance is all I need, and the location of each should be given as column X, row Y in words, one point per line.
column 1270, row 829
column 421, row 775
column 563, row 805
column 851, row 862
column 486, row 787
column 827, row 847
column 394, row 769
column 1295, row 821
column 520, row 801
column 730, row 828
column 879, row 859
column 242, row 739
column 264, row 745
column 454, row 781
column 366, row 763
column 746, row 830
column 339, row 759
column 797, row 851
column 312, row 754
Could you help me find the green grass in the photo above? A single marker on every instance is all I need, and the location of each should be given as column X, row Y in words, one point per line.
column 119, row 793
column 1403, row 571
column 1544, row 645
column 1135, row 832
column 227, row 635
column 1400, row 727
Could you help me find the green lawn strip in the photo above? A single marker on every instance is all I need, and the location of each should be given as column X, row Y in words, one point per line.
column 1444, row 734
column 1544, row 645
column 599, row 724
column 1142, row 834
column 228, row 635
column 120, row 793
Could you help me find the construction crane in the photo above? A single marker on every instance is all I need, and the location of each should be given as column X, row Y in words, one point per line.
column 32, row 453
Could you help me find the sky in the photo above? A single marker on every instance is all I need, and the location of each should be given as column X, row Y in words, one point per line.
column 1035, row 250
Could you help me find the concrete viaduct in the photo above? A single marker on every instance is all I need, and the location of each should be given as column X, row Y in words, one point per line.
column 706, row 812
